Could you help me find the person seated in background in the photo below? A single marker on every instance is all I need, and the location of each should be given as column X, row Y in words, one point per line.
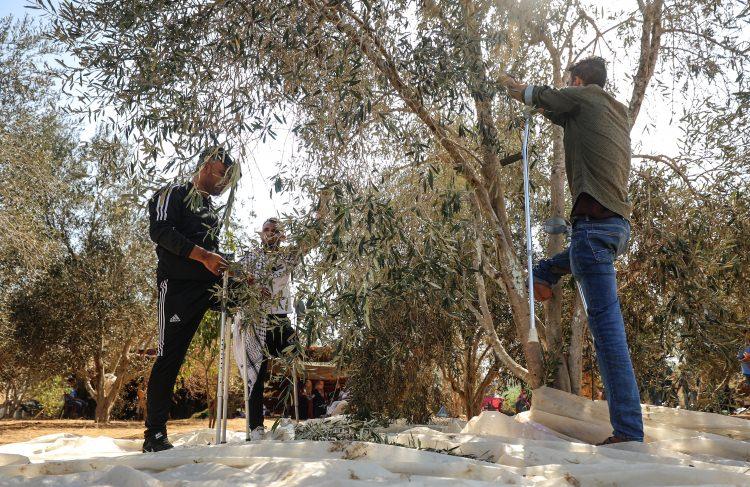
column 320, row 404
column 522, row 403
column 744, row 358
column 308, row 393
column 302, row 400
column 339, row 402
column 74, row 406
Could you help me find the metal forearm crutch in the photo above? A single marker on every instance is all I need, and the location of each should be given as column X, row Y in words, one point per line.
column 295, row 391
column 222, row 382
column 246, row 388
column 222, row 386
column 553, row 226
column 533, row 336
column 299, row 309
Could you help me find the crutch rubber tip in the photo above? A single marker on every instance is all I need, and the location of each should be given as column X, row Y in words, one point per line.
column 533, row 336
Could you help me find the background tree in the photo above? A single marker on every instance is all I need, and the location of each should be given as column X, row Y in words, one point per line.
column 90, row 311
column 35, row 142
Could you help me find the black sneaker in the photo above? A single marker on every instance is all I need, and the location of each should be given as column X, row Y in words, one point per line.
column 156, row 442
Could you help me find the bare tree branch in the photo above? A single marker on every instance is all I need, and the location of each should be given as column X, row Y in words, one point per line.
column 723, row 45
column 485, row 319
column 651, row 32
column 600, row 34
column 672, row 165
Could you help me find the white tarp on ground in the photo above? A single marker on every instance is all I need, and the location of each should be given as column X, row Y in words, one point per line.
column 544, row 447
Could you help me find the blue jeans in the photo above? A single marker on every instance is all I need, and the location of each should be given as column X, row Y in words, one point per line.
column 594, row 246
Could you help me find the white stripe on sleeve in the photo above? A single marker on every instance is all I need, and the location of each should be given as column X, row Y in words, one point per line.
column 162, row 211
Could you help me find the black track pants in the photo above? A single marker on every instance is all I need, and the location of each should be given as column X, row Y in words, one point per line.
column 181, row 306
column 279, row 335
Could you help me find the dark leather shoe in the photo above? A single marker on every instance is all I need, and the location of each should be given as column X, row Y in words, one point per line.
column 542, row 292
column 612, row 440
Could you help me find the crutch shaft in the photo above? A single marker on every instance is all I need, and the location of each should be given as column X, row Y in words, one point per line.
column 220, row 407
column 245, row 386
column 220, row 389
column 225, row 400
column 529, row 244
column 295, row 399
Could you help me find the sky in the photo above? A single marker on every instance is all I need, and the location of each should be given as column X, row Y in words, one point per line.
column 256, row 203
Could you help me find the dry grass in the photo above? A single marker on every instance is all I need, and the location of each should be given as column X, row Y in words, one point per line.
column 13, row 431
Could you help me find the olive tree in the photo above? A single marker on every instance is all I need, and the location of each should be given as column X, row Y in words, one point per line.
column 367, row 86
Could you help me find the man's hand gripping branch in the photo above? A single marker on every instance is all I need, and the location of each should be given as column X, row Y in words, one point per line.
column 213, row 261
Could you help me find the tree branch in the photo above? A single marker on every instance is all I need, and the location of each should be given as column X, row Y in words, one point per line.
column 600, row 35
column 672, row 163
column 491, row 374
column 455, row 387
column 727, row 47
column 88, row 386
column 651, row 31
column 485, row 319
column 120, row 369
column 370, row 44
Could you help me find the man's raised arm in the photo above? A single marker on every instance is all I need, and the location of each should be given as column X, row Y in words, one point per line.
column 556, row 105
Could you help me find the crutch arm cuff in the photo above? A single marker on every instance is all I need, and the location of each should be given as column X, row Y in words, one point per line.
column 528, row 95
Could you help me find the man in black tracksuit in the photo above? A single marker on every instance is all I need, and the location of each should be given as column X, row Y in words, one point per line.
column 185, row 228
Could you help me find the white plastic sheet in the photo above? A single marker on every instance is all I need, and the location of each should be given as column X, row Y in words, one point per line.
column 547, row 446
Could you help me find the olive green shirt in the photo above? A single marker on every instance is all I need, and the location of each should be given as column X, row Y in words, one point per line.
column 597, row 141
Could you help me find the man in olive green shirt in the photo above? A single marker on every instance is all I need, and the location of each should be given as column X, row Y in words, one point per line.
column 597, row 164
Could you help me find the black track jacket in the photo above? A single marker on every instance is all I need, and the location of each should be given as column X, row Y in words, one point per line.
column 178, row 222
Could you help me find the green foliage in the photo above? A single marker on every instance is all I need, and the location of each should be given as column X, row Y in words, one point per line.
column 26, row 91
column 347, row 429
column 375, row 90
column 50, row 393
column 36, row 176
column 400, row 290
column 74, row 260
column 392, row 373
column 687, row 317
column 510, row 396
column 93, row 303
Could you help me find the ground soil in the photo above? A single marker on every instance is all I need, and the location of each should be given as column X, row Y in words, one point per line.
column 13, row 431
